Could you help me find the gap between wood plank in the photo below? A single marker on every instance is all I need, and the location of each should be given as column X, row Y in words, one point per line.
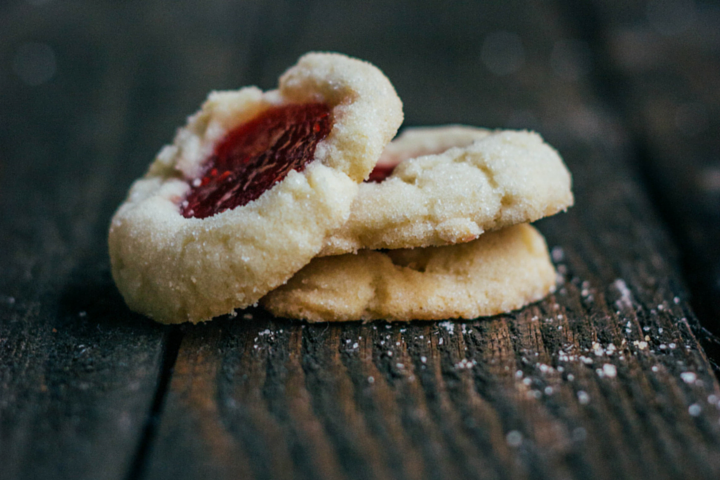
column 257, row 68
column 173, row 340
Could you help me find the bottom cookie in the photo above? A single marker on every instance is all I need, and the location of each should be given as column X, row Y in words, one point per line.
column 499, row 272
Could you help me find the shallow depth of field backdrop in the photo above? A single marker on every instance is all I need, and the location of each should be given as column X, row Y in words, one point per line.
column 610, row 377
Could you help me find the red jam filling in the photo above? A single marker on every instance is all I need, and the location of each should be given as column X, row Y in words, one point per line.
column 255, row 156
column 380, row 173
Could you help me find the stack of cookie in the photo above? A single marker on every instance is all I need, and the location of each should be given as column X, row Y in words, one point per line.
column 295, row 199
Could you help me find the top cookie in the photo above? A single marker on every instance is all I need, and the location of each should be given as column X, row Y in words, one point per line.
column 250, row 189
column 451, row 184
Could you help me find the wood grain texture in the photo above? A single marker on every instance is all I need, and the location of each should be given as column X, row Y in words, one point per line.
column 604, row 379
column 661, row 63
column 78, row 371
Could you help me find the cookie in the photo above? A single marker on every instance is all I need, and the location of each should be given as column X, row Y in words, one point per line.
column 448, row 185
column 250, row 189
column 499, row 272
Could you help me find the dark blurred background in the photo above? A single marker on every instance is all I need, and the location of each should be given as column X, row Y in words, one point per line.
column 101, row 84
column 91, row 89
column 627, row 91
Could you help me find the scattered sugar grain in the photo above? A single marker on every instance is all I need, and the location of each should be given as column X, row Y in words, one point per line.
column 688, row 377
column 694, row 409
column 465, row 363
column 610, row 370
column 449, row 326
column 514, row 438
column 625, row 299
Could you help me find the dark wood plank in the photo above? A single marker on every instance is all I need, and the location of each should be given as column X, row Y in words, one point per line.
column 78, row 371
column 604, row 379
column 662, row 66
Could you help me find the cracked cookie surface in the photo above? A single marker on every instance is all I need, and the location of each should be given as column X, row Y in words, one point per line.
column 499, row 272
column 174, row 266
column 450, row 184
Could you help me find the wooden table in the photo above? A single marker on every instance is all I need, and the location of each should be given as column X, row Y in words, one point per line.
column 607, row 378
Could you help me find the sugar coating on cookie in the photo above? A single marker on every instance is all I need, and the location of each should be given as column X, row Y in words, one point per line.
column 448, row 185
column 499, row 272
column 250, row 189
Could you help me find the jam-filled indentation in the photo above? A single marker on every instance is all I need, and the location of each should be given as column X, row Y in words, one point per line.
column 255, row 156
column 380, row 173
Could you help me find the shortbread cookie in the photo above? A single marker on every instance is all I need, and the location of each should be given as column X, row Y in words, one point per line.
column 250, row 189
column 451, row 184
column 499, row 272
